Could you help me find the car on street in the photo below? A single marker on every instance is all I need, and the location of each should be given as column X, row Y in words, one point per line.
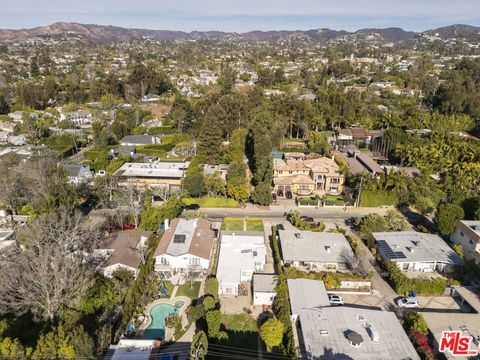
column 308, row 219
column 288, row 195
column 280, row 193
column 335, row 300
column 192, row 207
column 409, row 303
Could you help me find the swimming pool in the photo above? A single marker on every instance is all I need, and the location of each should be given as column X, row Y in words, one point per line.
column 158, row 314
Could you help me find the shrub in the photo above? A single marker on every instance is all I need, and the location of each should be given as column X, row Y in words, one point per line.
column 414, row 322
column 272, row 333
column 402, row 284
column 211, row 288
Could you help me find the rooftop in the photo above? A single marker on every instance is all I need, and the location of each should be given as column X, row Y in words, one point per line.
column 187, row 237
column 125, row 247
column 264, row 282
column 139, row 139
column 306, row 294
column 297, row 245
column 411, row 246
column 325, row 334
column 159, row 169
column 473, row 225
column 239, row 251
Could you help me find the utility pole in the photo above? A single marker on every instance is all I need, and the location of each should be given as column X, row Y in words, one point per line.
column 360, row 191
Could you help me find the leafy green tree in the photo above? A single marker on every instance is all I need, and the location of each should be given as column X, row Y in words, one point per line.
column 214, row 185
column 395, row 221
column 209, row 302
column 82, row 343
column 262, row 194
column 194, row 184
column 211, row 287
column 210, row 136
column 415, row 322
column 151, row 217
column 199, row 346
column 54, row 344
column 271, row 332
column 214, row 320
column 237, row 182
column 316, row 142
column 195, row 312
column 447, row 216
column 369, row 224
column 459, row 250
column 12, row 348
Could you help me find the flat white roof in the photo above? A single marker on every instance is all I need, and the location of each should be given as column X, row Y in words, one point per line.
column 135, row 349
column 324, row 334
column 239, row 251
column 411, row 246
column 306, row 294
column 159, row 169
column 297, row 245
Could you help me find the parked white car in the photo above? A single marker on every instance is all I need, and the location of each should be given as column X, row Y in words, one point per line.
column 409, row 303
column 335, row 300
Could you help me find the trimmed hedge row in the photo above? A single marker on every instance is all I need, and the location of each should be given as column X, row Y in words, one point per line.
column 403, row 284
column 161, row 130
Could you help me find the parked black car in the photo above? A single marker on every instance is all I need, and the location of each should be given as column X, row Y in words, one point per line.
column 280, row 227
column 280, row 193
column 289, row 194
column 307, row 219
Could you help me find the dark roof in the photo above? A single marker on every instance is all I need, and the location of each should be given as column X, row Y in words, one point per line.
column 124, row 245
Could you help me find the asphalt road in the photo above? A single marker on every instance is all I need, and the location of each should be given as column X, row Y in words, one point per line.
column 279, row 212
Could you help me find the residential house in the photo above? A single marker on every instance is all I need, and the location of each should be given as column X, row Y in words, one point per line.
column 221, row 169
column 185, row 246
column 241, row 254
column 79, row 118
column 154, row 174
column 17, row 116
column 467, row 234
column 304, row 177
column 415, row 251
column 122, row 151
column 264, row 286
column 305, row 294
column 140, row 140
column 315, row 251
column 150, row 98
column 123, row 250
column 343, row 332
column 78, row 173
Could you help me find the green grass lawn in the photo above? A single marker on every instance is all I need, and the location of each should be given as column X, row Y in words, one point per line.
column 232, row 224
column 378, row 198
column 333, row 199
column 254, row 225
column 242, row 334
column 189, row 291
column 219, row 202
column 169, row 286
column 239, row 322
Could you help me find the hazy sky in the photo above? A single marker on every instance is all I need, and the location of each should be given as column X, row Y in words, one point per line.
column 242, row 15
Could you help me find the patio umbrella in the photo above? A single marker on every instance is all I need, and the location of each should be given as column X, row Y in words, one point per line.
column 355, row 338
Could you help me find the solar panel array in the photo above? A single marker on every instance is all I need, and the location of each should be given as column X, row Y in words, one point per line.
column 179, row 239
column 389, row 253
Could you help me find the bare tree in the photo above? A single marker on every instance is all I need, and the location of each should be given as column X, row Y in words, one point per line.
column 193, row 273
column 53, row 268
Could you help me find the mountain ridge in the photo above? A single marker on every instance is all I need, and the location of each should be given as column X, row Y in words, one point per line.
column 109, row 33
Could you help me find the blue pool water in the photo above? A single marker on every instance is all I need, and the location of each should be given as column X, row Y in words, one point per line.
column 158, row 314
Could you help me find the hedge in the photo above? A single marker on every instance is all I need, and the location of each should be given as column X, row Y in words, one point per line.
column 161, row 130
column 403, row 284
column 213, row 202
column 379, row 198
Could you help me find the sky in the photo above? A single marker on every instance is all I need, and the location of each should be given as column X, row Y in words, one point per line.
column 242, row 15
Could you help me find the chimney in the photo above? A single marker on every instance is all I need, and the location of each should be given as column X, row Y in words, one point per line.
column 411, row 249
column 328, row 249
column 167, row 224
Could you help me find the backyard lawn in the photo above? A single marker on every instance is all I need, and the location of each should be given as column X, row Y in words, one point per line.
column 378, row 198
column 189, row 291
column 242, row 334
column 212, row 202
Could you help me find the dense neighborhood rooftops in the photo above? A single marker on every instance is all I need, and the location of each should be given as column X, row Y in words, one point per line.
column 306, row 294
column 264, row 282
column 125, row 247
column 411, row 246
column 159, row 169
column 309, row 246
column 326, row 331
column 193, row 237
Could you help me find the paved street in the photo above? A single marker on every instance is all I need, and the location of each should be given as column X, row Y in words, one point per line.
column 278, row 212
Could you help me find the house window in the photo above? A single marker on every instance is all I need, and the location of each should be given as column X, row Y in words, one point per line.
column 461, row 233
column 470, row 241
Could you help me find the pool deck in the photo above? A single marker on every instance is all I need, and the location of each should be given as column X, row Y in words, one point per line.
column 172, row 301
